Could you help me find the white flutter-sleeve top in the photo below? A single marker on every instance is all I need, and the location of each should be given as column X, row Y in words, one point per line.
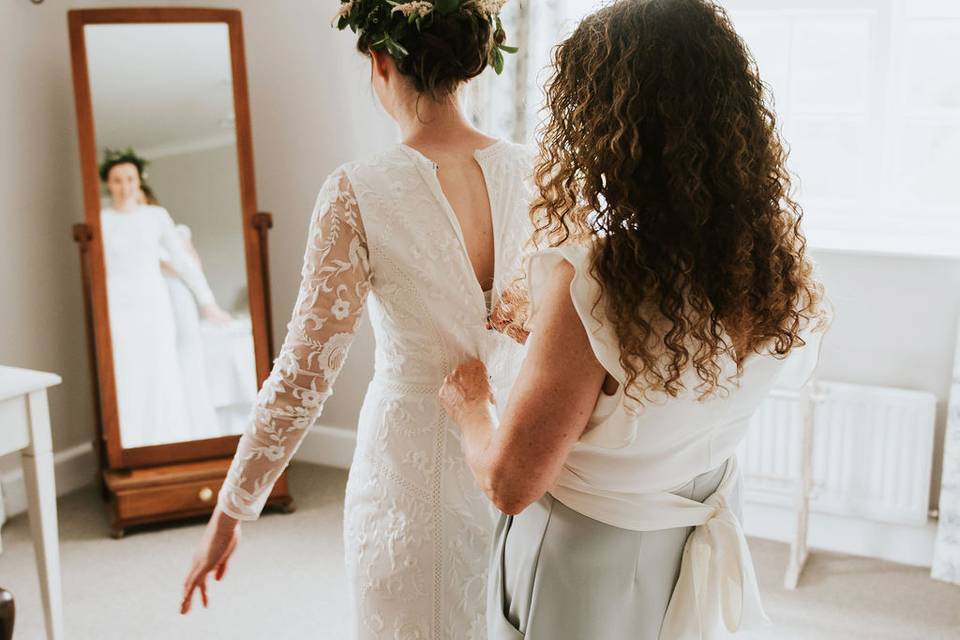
column 626, row 464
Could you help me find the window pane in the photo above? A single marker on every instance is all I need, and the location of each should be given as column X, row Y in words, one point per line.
column 828, row 156
column 830, row 64
column 933, row 53
column 929, row 164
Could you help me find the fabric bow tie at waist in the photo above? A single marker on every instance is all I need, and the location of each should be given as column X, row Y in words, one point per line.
column 717, row 591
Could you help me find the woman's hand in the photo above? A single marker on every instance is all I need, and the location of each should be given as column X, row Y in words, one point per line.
column 466, row 389
column 509, row 315
column 216, row 547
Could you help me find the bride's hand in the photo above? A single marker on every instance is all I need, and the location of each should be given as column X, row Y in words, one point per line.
column 214, row 313
column 509, row 315
column 219, row 541
column 466, row 389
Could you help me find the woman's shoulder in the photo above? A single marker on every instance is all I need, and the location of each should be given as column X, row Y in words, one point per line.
column 569, row 262
column 577, row 254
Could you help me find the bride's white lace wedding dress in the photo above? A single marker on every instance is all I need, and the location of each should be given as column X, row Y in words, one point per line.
column 416, row 527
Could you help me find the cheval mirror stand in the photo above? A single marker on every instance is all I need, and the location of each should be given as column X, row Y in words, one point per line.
column 116, row 54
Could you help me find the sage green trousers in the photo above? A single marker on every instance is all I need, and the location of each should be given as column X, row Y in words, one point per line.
column 556, row 574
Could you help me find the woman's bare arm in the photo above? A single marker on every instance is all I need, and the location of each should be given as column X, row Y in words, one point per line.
column 549, row 407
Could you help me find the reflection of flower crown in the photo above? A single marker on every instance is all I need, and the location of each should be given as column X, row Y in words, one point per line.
column 388, row 24
column 112, row 158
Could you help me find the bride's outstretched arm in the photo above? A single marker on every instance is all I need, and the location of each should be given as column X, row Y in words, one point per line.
column 335, row 282
column 185, row 266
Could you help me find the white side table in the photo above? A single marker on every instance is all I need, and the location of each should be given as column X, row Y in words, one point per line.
column 25, row 427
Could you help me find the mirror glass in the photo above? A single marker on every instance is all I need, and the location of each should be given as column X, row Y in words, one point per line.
column 172, row 228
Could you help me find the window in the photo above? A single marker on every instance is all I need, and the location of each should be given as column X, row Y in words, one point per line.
column 867, row 94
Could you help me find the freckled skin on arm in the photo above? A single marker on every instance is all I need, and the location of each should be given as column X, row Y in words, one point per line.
column 548, row 410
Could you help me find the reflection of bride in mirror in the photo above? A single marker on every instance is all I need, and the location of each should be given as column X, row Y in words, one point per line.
column 159, row 375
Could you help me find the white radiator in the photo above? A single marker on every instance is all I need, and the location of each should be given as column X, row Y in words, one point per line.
column 872, row 452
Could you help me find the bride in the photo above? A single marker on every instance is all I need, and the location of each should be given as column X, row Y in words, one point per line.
column 426, row 235
column 138, row 239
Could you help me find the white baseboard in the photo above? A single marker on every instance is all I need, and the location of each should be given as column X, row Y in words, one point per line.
column 74, row 468
column 328, row 446
column 900, row 543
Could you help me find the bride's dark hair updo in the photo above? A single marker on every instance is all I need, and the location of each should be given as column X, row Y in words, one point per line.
column 438, row 44
column 453, row 50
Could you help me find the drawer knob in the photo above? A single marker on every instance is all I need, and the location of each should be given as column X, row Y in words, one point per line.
column 206, row 494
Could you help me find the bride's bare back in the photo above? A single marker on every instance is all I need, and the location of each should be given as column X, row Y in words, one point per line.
column 465, row 188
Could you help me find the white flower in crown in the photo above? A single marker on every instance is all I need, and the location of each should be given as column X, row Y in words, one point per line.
column 420, row 8
column 342, row 12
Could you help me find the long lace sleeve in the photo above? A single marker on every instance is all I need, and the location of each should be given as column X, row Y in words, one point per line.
column 182, row 262
column 335, row 282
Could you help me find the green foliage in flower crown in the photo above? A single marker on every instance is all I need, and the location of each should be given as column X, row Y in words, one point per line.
column 388, row 23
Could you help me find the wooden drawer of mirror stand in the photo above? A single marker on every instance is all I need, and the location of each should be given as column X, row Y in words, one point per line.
column 191, row 496
column 178, row 491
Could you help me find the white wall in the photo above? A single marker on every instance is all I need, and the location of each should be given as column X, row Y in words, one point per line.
column 41, row 322
column 313, row 109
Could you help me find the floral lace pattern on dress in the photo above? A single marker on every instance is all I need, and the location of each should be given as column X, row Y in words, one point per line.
column 335, row 282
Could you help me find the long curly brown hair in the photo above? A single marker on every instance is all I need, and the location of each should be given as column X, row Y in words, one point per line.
column 661, row 150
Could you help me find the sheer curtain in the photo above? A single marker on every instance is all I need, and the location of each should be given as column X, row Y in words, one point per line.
column 510, row 105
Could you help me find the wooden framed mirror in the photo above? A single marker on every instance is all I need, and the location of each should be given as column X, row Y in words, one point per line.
column 173, row 251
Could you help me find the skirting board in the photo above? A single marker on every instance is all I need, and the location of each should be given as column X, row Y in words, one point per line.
column 74, row 468
column 333, row 447
column 328, row 446
column 900, row 543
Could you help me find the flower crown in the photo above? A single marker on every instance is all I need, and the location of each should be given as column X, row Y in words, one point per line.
column 388, row 23
column 112, row 158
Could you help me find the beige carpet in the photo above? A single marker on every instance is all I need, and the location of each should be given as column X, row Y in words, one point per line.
column 286, row 581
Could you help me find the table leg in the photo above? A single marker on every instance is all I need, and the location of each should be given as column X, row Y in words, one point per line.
column 42, row 505
column 8, row 613
column 799, row 552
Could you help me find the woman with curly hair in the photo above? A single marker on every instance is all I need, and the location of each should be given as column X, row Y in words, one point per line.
column 670, row 286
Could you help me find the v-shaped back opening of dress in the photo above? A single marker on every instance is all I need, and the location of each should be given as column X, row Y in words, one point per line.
column 479, row 155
